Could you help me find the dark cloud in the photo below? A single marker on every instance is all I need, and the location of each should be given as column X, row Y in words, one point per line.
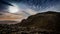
column 4, row 4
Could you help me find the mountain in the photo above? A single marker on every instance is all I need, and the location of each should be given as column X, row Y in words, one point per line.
column 49, row 20
column 41, row 23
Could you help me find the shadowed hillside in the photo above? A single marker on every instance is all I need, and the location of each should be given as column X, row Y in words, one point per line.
column 41, row 23
column 48, row 20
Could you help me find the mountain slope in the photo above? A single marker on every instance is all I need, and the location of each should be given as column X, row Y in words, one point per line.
column 48, row 20
column 41, row 23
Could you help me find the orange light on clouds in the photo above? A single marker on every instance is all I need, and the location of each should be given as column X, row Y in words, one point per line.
column 12, row 17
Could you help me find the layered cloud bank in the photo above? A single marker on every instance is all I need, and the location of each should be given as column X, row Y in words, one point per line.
column 10, row 17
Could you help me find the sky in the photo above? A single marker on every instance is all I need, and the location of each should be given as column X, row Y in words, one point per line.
column 31, row 7
column 35, row 5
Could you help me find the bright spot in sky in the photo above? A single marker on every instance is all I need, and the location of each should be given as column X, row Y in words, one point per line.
column 13, row 9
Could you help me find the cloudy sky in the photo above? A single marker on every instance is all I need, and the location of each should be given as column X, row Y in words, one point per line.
column 33, row 5
column 30, row 7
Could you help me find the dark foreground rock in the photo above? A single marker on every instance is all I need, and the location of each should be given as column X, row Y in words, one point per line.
column 41, row 23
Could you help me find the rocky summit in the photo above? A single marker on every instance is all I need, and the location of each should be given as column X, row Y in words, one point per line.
column 41, row 23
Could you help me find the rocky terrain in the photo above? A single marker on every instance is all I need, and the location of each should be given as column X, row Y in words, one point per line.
column 41, row 23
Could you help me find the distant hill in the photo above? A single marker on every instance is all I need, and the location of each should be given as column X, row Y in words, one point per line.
column 8, row 22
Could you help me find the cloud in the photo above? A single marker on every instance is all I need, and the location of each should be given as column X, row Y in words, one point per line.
column 30, row 11
column 10, row 17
